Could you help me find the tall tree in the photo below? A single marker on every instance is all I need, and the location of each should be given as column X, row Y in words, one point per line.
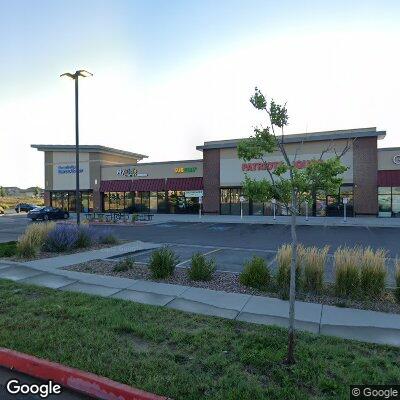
column 286, row 181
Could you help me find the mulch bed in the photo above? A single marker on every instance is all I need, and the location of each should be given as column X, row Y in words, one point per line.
column 229, row 282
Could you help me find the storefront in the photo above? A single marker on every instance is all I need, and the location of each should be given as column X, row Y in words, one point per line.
column 117, row 180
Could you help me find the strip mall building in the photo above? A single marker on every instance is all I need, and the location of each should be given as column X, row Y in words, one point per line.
column 118, row 180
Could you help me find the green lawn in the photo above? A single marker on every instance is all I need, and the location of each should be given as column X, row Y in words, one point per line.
column 181, row 355
column 8, row 249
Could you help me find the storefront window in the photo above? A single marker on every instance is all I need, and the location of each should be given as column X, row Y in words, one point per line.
column 145, row 202
column 129, row 201
column 225, row 204
column 230, row 202
column 116, row 201
column 86, row 201
column 72, row 201
column 153, row 202
column 162, row 205
column 106, row 202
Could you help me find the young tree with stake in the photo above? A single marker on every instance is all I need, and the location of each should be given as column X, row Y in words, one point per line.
column 287, row 184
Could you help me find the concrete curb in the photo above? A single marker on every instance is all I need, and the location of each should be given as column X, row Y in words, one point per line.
column 71, row 378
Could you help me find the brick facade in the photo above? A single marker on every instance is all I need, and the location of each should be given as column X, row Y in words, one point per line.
column 211, row 181
column 365, row 173
column 46, row 198
column 97, row 206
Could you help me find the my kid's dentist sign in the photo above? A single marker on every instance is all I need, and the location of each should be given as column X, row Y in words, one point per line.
column 67, row 169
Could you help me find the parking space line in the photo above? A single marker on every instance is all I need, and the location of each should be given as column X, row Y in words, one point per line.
column 204, row 254
column 220, row 247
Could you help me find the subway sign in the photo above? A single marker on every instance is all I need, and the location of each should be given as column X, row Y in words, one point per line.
column 185, row 170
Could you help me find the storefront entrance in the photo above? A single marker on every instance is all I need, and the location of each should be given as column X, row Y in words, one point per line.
column 323, row 204
column 169, row 202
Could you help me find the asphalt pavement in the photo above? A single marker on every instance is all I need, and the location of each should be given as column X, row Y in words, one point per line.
column 240, row 236
column 260, row 237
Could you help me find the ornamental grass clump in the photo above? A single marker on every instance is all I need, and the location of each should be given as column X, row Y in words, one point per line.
column 162, row 263
column 255, row 274
column 397, row 279
column 201, row 269
column 347, row 271
column 105, row 236
column 124, row 265
column 86, row 236
column 283, row 260
column 33, row 239
column 373, row 272
column 314, row 261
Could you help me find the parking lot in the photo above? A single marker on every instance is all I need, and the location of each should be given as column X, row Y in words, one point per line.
column 232, row 244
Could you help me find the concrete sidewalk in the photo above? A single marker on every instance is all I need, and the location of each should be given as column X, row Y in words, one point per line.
column 280, row 220
column 369, row 326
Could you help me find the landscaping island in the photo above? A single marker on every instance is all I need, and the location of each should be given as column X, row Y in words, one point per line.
column 184, row 356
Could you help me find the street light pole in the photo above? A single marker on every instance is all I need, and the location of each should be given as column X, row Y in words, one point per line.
column 77, row 193
column 75, row 77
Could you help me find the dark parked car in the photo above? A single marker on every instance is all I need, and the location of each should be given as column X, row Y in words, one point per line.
column 24, row 207
column 46, row 213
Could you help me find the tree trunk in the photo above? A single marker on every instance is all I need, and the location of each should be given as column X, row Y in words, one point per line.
column 292, row 291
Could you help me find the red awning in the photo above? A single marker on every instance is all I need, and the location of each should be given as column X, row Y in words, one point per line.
column 389, row 178
column 184, row 183
column 115, row 186
column 151, row 185
column 140, row 185
column 147, row 185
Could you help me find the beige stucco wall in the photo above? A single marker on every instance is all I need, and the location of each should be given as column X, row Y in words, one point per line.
column 66, row 181
column 385, row 159
column 154, row 171
column 90, row 163
column 110, row 159
column 231, row 173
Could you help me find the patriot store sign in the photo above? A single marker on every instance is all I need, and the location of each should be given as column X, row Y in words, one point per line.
column 263, row 166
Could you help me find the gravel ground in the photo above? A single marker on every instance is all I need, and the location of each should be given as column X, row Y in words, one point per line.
column 229, row 282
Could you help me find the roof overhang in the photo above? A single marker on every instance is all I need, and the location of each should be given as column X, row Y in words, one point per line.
column 304, row 137
column 87, row 149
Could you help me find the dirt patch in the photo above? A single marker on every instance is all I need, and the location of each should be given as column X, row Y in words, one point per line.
column 139, row 344
column 229, row 282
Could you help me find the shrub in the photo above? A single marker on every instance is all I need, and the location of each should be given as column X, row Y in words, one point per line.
column 33, row 239
column 201, row 269
column 85, row 236
column 284, row 259
column 313, row 268
column 8, row 249
column 255, row 274
column 124, row 265
column 397, row 278
column 1, row 210
column 106, row 237
column 373, row 272
column 63, row 237
column 163, row 262
column 347, row 273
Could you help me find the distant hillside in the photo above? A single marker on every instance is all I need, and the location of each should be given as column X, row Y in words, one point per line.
column 16, row 191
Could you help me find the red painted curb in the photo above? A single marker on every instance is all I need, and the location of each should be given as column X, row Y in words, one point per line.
column 71, row 378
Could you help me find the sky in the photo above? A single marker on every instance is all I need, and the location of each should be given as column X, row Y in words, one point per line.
column 169, row 75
